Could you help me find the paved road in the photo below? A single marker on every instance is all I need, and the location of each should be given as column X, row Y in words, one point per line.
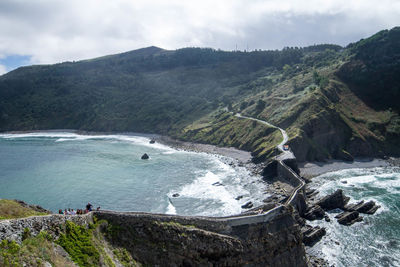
column 286, row 154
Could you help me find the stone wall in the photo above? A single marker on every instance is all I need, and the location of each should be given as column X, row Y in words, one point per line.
column 53, row 224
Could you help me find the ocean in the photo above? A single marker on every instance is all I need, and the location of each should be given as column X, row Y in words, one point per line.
column 376, row 240
column 59, row 170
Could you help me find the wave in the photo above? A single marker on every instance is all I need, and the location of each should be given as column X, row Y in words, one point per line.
column 68, row 136
column 378, row 231
column 171, row 208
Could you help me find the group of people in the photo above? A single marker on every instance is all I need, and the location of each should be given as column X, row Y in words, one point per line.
column 89, row 208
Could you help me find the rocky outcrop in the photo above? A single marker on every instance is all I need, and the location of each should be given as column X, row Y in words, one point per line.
column 248, row 205
column 145, row 156
column 369, row 207
column 311, row 235
column 349, row 217
column 314, row 213
column 33, row 207
column 336, row 200
column 270, row 171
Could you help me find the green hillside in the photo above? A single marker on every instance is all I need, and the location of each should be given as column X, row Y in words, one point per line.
column 334, row 102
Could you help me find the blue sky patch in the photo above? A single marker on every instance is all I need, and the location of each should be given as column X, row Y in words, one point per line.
column 14, row 61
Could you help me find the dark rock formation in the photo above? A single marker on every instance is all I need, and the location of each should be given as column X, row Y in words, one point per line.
column 333, row 201
column 292, row 163
column 152, row 141
column 145, row 156
column 217, row 184
column 239, row 197
column 311, row 235
column 270, row 171
column 314, row 213
column 369, row 207
column 348, row 217
column 248, row 205
column 311, row 193
column 175, row 195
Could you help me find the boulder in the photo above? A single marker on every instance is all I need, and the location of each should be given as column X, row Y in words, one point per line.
column 239, row 197
column 311, row 235
column 145, row 156
column 175, row 195
column 333, row 201
column 314, row 213
column 248, row 205
column 348, row 217
column 152, row 141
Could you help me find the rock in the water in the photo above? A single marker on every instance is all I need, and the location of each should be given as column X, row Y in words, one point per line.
column 152, row 141
column 334, row 201
column 175, row 195
column 217, row 184
column 369, row 207
column 239, row 197
column 145, row 156
column 349, row 217
column 311, row 235
column 314, row 213
column 248, row 205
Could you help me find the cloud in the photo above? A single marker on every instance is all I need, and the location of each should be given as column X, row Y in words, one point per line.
column 52, row 31
column 3, row 69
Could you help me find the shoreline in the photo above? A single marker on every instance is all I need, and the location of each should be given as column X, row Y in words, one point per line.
column 314, row 169
column 240, row 158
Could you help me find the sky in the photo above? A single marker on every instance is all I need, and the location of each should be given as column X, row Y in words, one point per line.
column 53, row 31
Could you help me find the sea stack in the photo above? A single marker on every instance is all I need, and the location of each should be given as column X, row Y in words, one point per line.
column 145, row 156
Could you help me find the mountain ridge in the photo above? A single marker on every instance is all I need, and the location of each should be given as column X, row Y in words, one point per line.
column 327, row 97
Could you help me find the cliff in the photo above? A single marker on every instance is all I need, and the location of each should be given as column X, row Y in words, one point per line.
column 115, row 238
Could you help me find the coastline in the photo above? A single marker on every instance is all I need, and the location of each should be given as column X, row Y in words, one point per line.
column 313, row 169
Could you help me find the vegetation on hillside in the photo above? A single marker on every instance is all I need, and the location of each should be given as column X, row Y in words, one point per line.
column 335, row 102
column 34, row 251
column 12, row 209
column 76, row 245
column 224, row 129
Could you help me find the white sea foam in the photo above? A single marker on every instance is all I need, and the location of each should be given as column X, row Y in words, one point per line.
column 171, row 208
column 68, row 136
column 364, row 243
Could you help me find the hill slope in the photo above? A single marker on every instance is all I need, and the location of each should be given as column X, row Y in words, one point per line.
column 334, row 102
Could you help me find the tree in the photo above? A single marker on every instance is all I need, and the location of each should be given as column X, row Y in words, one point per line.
column 260, row 105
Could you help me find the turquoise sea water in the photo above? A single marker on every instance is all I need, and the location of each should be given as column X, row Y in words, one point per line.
column 60, row 170
column 376, row 240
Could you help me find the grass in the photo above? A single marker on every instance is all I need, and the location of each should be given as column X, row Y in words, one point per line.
column 34, row 251
column 226, row 130
column 11, row 209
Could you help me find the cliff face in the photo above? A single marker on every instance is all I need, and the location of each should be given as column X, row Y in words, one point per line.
column 150, row 239
column 180, row 241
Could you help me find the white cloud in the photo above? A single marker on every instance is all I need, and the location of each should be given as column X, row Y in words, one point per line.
column 55, row 30
column 3, row 69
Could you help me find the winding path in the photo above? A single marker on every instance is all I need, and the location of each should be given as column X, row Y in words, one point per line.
column 286, row 154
